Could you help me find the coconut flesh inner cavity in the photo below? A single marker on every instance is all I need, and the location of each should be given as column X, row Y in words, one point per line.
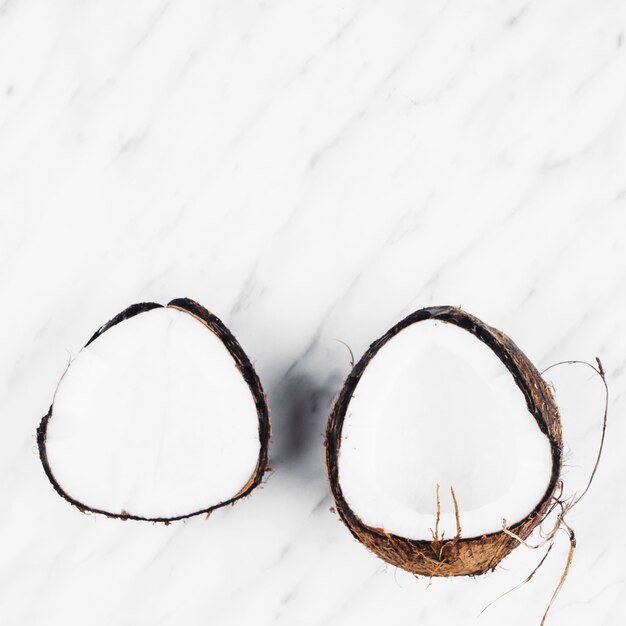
column 153, row 418
column 436, row 405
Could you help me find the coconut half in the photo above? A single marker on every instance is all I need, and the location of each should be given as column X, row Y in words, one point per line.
column 442, row 430
column 160, row 416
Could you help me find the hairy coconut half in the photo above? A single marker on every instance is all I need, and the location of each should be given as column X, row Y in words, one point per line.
column 161, row 416
column 443, row 429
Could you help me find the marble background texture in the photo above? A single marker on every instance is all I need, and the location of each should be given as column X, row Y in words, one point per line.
column 311, row 172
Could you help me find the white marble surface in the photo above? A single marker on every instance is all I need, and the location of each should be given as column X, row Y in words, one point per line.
column 309, row 171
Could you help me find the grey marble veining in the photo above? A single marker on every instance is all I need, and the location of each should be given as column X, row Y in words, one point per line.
column 311, row 172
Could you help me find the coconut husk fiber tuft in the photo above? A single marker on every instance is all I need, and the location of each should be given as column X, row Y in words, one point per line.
column 457, row 556
column 216, row 326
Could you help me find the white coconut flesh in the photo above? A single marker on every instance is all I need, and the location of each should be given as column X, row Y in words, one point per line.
column 436, row 406
column 153, row 418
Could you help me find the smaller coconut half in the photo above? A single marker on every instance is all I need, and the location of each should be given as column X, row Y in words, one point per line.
column 442, row 430
column 160, row 417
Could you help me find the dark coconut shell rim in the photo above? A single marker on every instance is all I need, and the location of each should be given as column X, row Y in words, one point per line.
column 215, row 325
column 417, row 555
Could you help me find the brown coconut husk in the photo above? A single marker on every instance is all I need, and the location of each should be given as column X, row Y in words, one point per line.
column 456, row 556
column 216, row 326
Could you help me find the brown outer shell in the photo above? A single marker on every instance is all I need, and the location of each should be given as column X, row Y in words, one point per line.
column 215, row 325
column 459, row 556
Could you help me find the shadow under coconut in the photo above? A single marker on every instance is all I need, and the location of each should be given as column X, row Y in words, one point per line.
column 300, row 406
